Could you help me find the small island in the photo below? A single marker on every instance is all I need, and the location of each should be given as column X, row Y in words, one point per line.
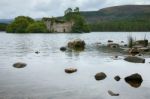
column 71, row 22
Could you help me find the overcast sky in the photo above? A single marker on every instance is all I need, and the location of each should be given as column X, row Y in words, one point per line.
column 48, row 8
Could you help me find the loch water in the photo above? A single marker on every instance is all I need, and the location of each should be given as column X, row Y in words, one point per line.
column 44, row 76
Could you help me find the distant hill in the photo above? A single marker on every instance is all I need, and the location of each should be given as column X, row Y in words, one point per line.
column 116, row 18
column 112, row 13
column 118, row 13
column 6, row 20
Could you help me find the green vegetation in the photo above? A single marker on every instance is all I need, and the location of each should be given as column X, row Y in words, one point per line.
column 122, row 25
column 23, row 24
column 3, row 26
column 130, row 41
column 80, row 24
column 36, row 27
column 19, row 25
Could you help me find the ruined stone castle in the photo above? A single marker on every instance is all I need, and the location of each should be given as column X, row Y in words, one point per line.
column 58, row 26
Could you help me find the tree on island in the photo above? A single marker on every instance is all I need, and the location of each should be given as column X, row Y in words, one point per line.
column 36, row 27
column 77, row 9
column 19, row 25
column 80, row 24
column 24, row 24
column 69, row 10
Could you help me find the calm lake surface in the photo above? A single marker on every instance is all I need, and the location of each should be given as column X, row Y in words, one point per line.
column 44, row 76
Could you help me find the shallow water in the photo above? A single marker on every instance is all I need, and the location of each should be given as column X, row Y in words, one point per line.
column 44, row 76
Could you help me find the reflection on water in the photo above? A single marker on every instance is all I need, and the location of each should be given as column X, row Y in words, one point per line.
column 44, row 76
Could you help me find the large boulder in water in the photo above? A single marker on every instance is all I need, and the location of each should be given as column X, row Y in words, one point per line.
column 100, row 76
column 19, row 65
column 135, row 59
column 135, row 80
column 76, row 44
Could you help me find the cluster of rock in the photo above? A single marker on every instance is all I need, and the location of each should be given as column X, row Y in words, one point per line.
column 133, row 80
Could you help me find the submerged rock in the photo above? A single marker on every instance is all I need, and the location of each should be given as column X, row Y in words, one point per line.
column 19, row 65
column 134, row 51
column 117, row 78
column 37, row 52
column 122, row 41
column 125, row 45
column 135, row 59
column 109, row 41
column 113, row 45
column 112, row 93
column 135, row 80
column 98, row 43
column 144, row 49
column 100, row 76
column 70, row 70
column 77, row 44
column 143, row 43
column 63, row 48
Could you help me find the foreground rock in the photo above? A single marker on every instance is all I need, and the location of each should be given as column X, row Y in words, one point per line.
column 19, row 65
column 117, row 78
column 70, row 70
column 77, row 44
column 100, row 76
column 135, row 59
column 135, row 80
column 112, row 93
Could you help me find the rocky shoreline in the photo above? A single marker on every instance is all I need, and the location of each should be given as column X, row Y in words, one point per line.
column 133, row 55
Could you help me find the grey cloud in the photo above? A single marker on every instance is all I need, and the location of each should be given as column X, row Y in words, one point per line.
column 41, row 8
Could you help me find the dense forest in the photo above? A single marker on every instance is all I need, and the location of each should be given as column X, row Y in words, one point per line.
column 122, row 25
column 119, row 18
column 3, row 26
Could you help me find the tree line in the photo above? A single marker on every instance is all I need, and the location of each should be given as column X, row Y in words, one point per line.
column 122, row 25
